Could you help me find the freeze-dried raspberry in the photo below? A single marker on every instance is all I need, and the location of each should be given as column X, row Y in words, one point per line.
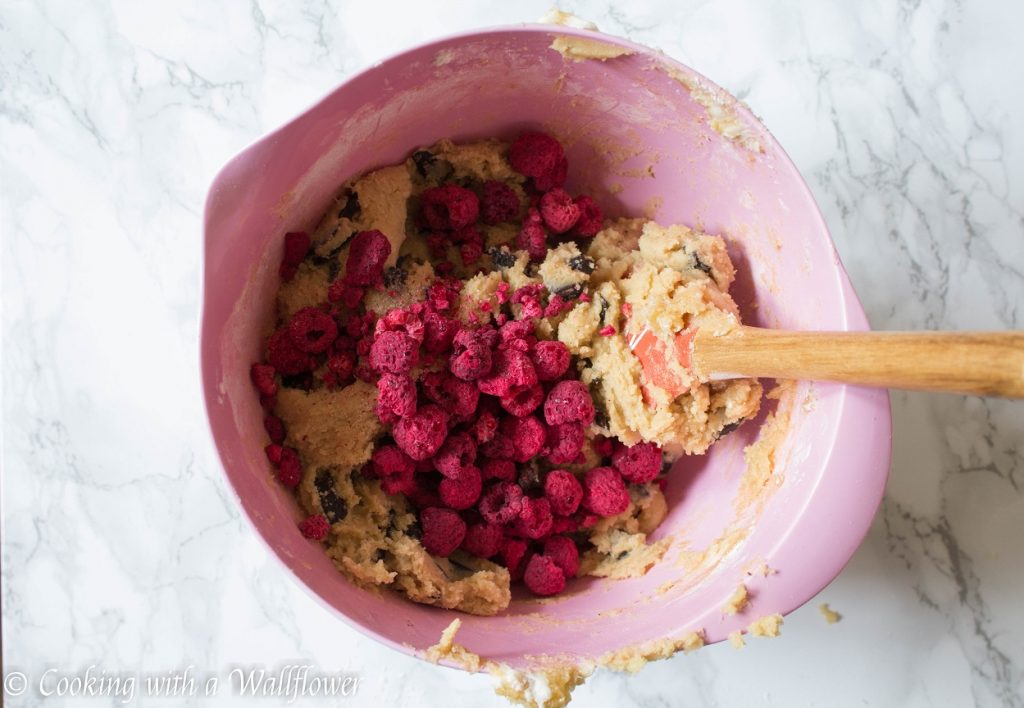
column 461, row 490
column 565, row 524
column 534, row 518
column 603, row 446
column 443, row 294
column 296, row 246
column 422, row 433
column 558, row 210
column 275, row 428
column 483, row 540
column 312, row 330
column 357, row 326
column 289, row 469
column 315, row 527
column 532, row 237
column 639, row 463
column 341, row 365
column 591, row 219
column 438, row 332
column 563, row 552
column 408, row 320
column 499, row 447
column 529, row 298
column 470, row 252
column 443, row 530
column 457, row 452
column 511, row 372
column 364, row 345
column 424, row 492
column 262, row 376
column 499, row 203
column 504, row 470
column 525, row 402
column 367, row 254
column 604, row 492
column 526, row 435
column 513, row 553
column 396, row 397
column 563, row 491
column 554, row 178
column 455, row 396
column 565, row 443
column 274, row 453
column 394, row 468
column 285, row 357
column 557, row 305
column 535, row 154
column 471, row 356
column 501, row 503
column 517, row 334
column 485, row 426
column 606, row 331
column 569, row 402
column 268, row 402
column 437, row 244
column 550, row 359
column 394, row 353
column 543, row 576
column 449, row 207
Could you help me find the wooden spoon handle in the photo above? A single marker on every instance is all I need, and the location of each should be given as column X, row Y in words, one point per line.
column 982, row 363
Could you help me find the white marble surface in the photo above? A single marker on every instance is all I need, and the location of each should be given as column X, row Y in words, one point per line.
column 121, row 546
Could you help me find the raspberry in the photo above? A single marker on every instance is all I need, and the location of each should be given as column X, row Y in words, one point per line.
column 535, row 154
column 517, row 334
column 394, row 353
column 529, row 297
column 274, row 453
column 315, row 527
column 423, row 493
column 499, row 203
column 554, row 178
column 275, row 428
column 532, row 237
column 591, row 219
column 563, row 491
column 563, row 552
column 455, row 396
column 513, row 552
column 471, row 356
column 565, row 442
column 422, row 433
column 312, row 330
column 366, row 257
column 363, row 346
column 296, row 246
column 569, row 402
column 289, row 469
column 485, row 427
column 501, row 503
column 498, row 447
column 438, row 332
column 404, row 320
column 603, row 446
column 604, row 492
column 357, row 326
column 461, row 490
column 342, row 364
column 394, row 468
column 511, row 373
column 396, row 396
column 534, row 518
column 550, row 360
column 543, row 576
column 564, row 524
column 285, row 357
column 457, row 452
column 443, row 530
column 437, row 244
column 449, row 207
column 483, row 540
column 526, row 435
column 606, row 331
column 268, row 402
column 470, row 253
column 443, row 294
column 639, row 463
column 557, row 305
column 525, row 402
column 262, row 376
column 558, row 210
column 499, row 469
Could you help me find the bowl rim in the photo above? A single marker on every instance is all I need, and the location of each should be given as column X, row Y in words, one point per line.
column 877, row 458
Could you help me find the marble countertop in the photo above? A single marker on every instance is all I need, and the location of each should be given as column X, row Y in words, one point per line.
column 122, row 547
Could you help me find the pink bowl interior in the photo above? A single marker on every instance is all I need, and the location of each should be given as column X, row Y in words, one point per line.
column 640, row 143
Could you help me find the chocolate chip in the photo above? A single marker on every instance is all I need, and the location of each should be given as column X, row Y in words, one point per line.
column 394, row 277
column 729, row 428
column 502, row 258
column 378, row 555
column 414, row 530
column 303, row 381
column 600, row 416
column 335, row 508
column 604, row 308
column 702, row 266
column 352, row 209
column 423, row 160
column 529, row 477
column 570, row 292
column 582, row 264
column 620, row 555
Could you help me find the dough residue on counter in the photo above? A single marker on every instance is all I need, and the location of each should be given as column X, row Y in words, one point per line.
column 830, row 615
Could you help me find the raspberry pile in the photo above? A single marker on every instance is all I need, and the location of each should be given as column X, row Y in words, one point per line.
column 488, row 425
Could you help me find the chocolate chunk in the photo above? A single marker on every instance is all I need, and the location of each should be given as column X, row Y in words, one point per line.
column 335, row 508
column 394, row 277
column 502, row 258
column 303, row 381
column 570, row 292
column 600, row 415
column 414, row 530
column 702, row 266
column 729, row 428
column 352, row 209
column 430, row 167
column 530, row 477
column 423, row 160
column 582, row 264
column 604, row 308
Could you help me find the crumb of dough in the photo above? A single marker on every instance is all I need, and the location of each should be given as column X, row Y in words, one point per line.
column 736, row 639
column 767, row 626
column 633, row 658
column 448, row 648
column 584, row 48
column 544, row 688
column 554, row 16
column 830, row 615
column 737, row 601
column 760, row 568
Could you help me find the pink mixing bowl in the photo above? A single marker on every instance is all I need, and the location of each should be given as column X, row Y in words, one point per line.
column 643, row 143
